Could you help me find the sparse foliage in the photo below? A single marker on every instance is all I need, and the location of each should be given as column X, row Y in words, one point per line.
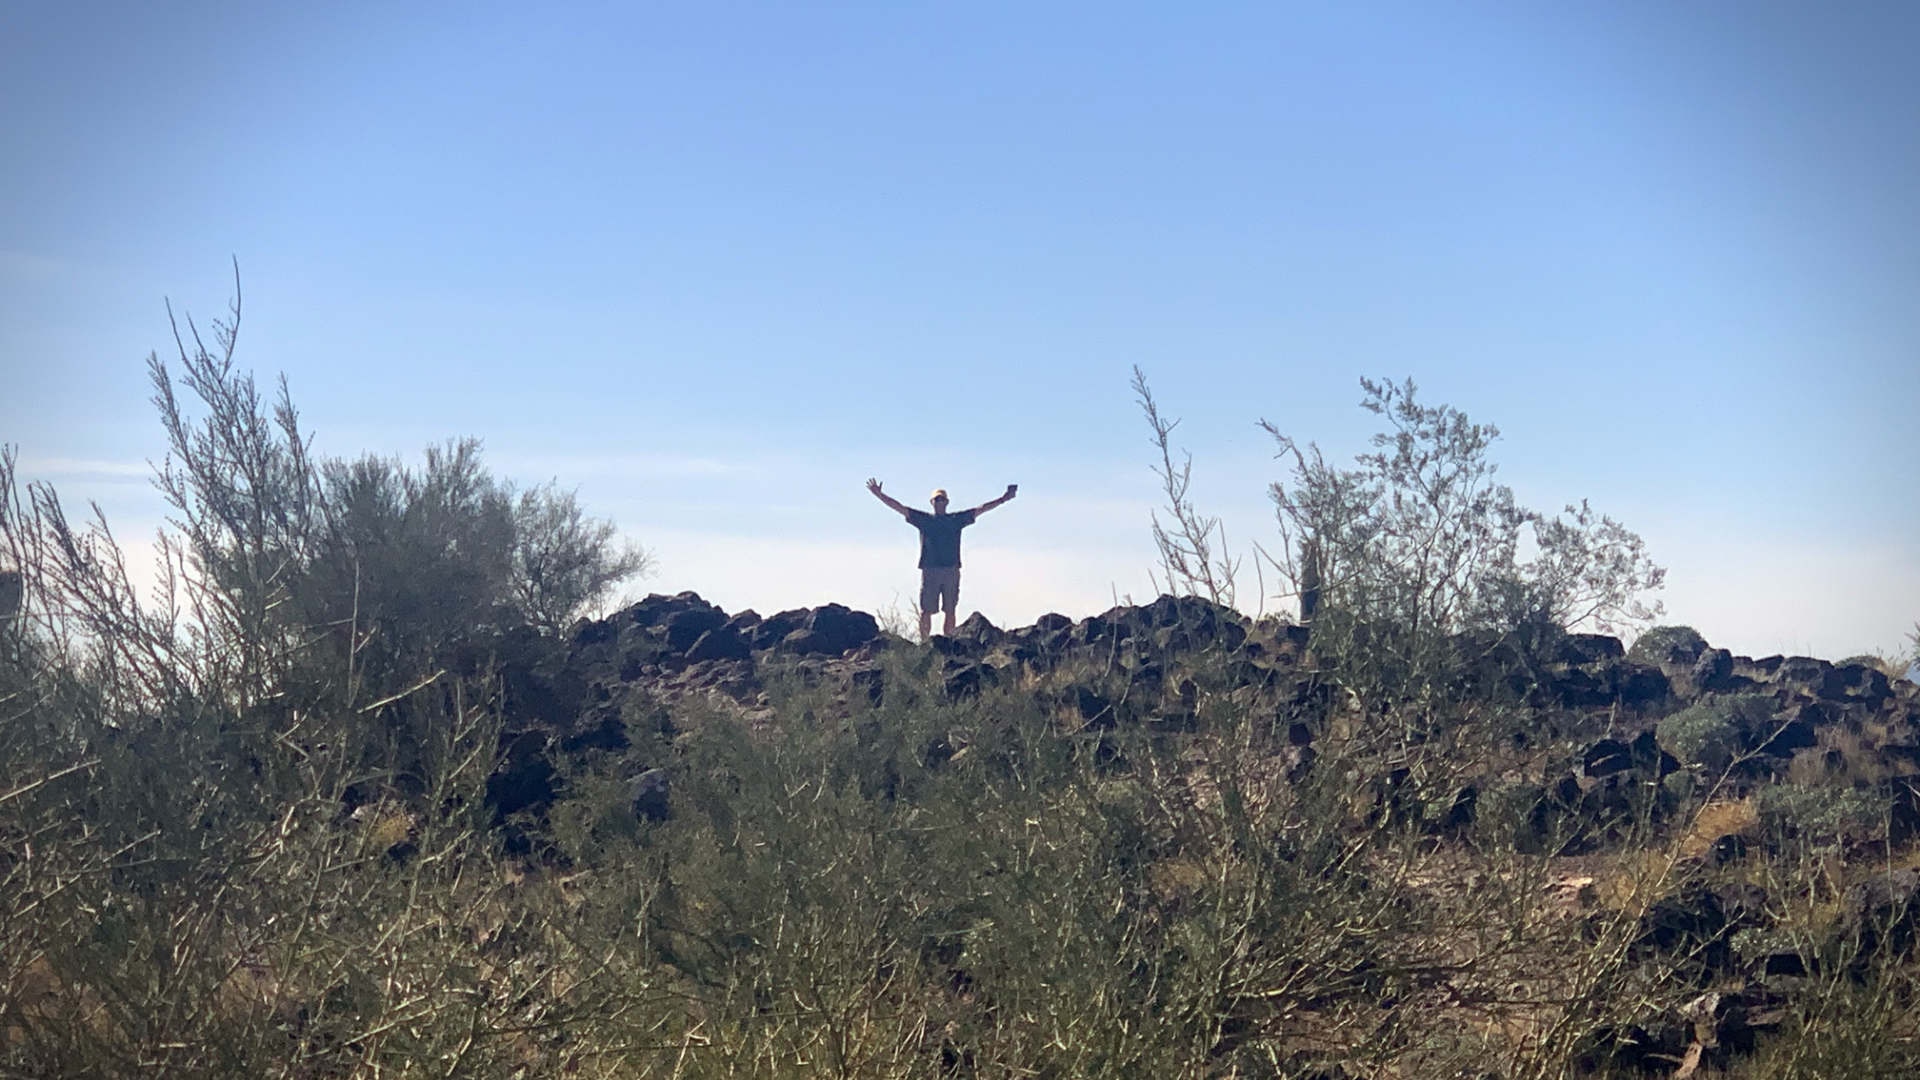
column 244, row 828
column 1419, row 544
column 1194, row 556
column 563, row 561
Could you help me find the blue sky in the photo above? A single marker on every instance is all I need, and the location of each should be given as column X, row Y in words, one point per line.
column 715, row 264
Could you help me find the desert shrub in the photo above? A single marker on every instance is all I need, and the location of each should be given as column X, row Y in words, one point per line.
column 1845, row 1031
column 1824, row 814
column 382, row 563
column 1420, row 544
column 1659, row 643
column 1708, row 735
column 1514, row 815
column 244, row 830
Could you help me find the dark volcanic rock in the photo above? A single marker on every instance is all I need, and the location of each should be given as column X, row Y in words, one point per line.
column 1795, row 734
column 804, row 642
column 684, row 627
column 870, row 683
column 1640, row 686
column 1095, row 710
column 1694, row 927
column 657, row 609
column 720, row 643
column 1606, row 757
column 1713, row 671
column 962, row 679
column 838, row 629
column 1861, row 683
column 524, row 779
column 980, row 631
column 1581, row 688
column 959, row 645
column 588, row 632
column 1590, row 649
column 651, row 792
column 771, row 631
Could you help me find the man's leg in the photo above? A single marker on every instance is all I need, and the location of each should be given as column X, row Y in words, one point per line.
column 929, row 602
column 950, row 598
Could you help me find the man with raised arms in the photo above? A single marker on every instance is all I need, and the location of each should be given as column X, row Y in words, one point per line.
column 939, row 550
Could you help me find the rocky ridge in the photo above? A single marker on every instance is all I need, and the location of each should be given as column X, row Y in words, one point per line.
column 1137, row 664
column 1607, row 722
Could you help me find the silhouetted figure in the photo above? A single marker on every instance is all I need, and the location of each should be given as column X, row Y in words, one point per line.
column 939, row 550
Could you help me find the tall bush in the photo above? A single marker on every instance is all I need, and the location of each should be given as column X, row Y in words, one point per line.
column 243, row 826
column 1419, row 543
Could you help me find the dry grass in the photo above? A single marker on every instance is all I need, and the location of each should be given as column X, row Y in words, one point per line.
column 1715, row 821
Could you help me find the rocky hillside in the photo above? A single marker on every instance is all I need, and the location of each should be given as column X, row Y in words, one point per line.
column 1145, row 664
column 1675, row 790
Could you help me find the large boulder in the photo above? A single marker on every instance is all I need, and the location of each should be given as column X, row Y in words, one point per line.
column 652, row 796
column 1590, row 649
column 839, row 630
column 1640, row 686
column 723, row 642
column 772, row 630
column 682, row 628
column 979, row 630
column 1862, row 683
column 657, row 609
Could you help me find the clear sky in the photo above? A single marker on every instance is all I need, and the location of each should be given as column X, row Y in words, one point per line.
column 715, row 264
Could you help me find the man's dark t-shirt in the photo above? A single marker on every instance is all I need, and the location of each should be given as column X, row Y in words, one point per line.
column 939, row 537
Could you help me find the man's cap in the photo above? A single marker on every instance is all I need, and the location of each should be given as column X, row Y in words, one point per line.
column 938, row 493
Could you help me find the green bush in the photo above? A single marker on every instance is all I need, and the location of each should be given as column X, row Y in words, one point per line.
column 1824, row 815
column 245, row 827
column 1710, row 734
column 1659, row 644
column 1420, row 544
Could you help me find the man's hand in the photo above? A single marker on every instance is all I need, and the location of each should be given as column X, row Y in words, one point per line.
column 892, row 503
column 1012, row 489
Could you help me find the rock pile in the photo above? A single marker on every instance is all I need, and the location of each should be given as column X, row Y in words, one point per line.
column 1136, row 665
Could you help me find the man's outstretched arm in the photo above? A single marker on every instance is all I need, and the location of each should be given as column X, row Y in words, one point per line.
column 1012, row 489
column 874, row 486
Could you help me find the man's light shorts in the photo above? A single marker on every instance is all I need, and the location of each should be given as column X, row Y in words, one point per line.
column 939, row 585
